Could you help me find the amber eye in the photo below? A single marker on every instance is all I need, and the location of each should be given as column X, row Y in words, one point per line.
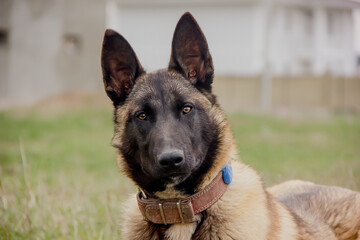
column 142, row 116
column 186, row 109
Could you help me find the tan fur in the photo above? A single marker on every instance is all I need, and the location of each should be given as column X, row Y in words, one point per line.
column 227, row 150
column 182, row 231
column 330, row 206
column 133, row 224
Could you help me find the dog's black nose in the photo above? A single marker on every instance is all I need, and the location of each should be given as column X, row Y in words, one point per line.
column 171, row 159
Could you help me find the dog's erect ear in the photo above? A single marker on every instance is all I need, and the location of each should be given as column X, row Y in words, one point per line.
column 120, row 66
column 190, row 54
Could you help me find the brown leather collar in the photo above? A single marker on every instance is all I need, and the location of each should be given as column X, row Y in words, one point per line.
column 170, row 211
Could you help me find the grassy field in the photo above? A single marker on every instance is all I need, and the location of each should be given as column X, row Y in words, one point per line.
column 59, row 179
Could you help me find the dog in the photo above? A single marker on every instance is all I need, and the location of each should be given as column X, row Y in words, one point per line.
column 174, row 142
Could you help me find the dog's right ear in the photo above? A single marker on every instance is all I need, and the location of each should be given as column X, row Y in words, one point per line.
column 120, row 66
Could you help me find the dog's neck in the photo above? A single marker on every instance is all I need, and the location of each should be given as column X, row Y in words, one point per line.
column 184, row 210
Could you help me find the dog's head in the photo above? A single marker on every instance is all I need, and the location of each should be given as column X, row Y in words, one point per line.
column 167, row 122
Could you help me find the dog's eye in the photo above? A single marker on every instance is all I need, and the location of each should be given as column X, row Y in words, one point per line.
column 141, row 116
column 186, row 109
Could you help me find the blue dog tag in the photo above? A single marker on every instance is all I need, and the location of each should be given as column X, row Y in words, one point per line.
column 227, row 174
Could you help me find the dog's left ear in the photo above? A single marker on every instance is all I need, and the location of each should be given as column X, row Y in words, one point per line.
column 190, row 54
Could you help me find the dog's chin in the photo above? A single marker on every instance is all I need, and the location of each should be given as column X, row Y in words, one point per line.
column 170, row 183
column 175, row 178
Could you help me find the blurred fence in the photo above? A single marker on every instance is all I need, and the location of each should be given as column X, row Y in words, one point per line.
column 290, row 94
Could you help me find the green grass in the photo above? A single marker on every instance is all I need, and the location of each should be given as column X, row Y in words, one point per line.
column 325, row 151
column 59, row 179
column 71, row 187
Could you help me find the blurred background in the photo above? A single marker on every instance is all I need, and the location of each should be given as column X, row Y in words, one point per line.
column 286, row 71
column 278, row 55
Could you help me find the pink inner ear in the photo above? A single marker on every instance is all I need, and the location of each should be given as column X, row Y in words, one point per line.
column 190, row 55
column 120, row 77
column 193, row 64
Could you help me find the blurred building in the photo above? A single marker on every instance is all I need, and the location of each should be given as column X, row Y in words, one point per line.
column 52, row 46
column 296, row 37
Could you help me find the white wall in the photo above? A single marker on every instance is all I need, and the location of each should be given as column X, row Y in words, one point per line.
column 34, row 44
column 299, row 37
column 39, row 59
column 229, row 29
column 305, row 41
column 356, row 18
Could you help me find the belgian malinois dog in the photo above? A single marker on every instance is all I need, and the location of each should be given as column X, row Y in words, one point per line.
column 174, row 142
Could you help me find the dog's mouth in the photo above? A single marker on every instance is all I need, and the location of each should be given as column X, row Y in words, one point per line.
column 156, row 175
column 179, row 175
column 167, row 176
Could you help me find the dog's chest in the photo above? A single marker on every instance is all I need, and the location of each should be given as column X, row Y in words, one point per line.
column 207, row 229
